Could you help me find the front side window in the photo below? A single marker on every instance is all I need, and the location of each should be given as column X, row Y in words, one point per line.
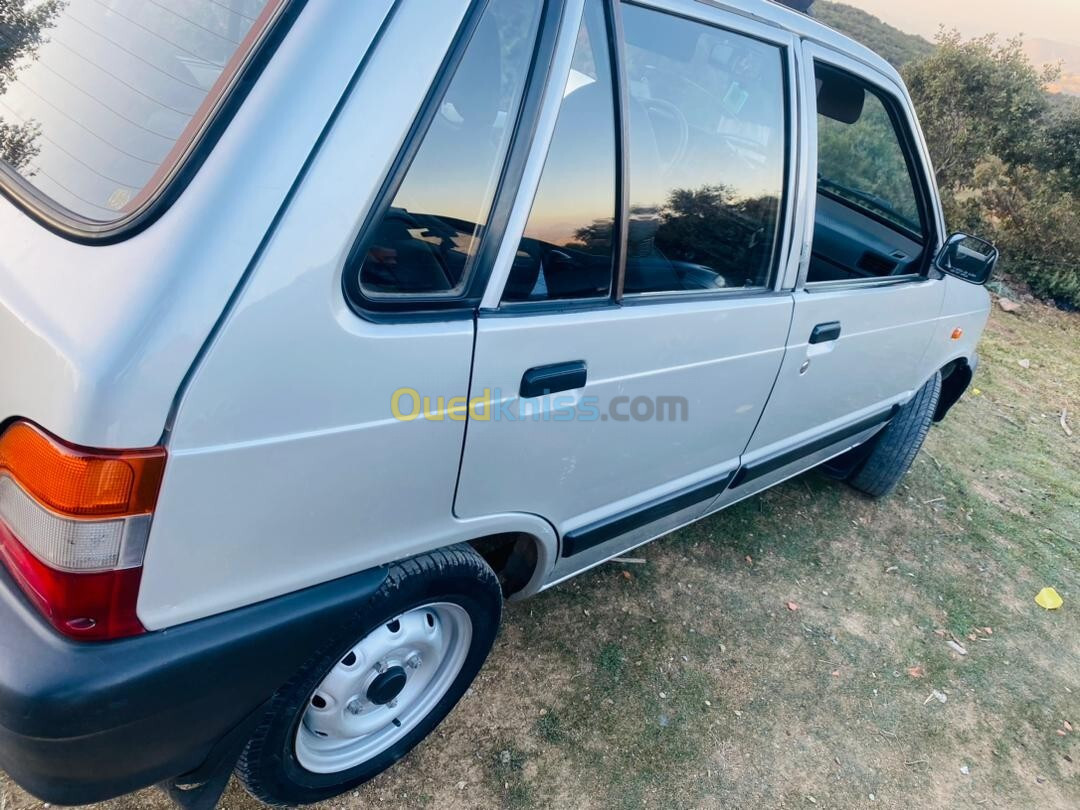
column 427, row 240
column 566, row 251
column 100, row 101
column 860, row 159
column 869, row 223
column 707, row 155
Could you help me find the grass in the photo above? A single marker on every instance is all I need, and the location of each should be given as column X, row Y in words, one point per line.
column 688, row 682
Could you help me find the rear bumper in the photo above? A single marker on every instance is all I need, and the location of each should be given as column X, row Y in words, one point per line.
column 83, row 722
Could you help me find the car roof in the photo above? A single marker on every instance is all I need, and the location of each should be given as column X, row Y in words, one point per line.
column 781, row 16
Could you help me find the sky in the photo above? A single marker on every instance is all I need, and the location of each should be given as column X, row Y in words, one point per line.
column 1057, row 20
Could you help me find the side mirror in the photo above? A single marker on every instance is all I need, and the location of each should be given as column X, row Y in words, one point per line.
column 968, row 258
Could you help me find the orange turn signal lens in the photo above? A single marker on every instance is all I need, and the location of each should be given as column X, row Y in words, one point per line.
column 957, row 333
column 81, row 483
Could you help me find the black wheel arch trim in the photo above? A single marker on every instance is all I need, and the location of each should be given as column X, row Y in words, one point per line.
column 956, row 378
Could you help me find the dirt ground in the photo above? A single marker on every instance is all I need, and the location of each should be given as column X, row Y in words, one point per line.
column 794, row 650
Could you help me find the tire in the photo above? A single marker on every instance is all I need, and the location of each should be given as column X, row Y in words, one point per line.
column 291, row 758
column 897, row 445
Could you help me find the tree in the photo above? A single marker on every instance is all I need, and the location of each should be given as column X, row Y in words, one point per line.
column 1059, row 150
column 1007, row 158
column 22, row 31
column 712, row 226
column 977, row 99
column 1006, row 153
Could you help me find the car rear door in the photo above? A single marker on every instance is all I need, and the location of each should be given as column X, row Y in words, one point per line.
column 634, row 324
column 867, row 294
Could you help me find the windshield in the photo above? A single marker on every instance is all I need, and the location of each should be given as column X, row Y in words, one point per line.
column 101, row 99
column 868, row 202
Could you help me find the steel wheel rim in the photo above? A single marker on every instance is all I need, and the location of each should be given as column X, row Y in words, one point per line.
column 383, row 687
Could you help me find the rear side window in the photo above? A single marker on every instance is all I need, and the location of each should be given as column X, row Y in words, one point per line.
column 708, row 155
column 100, row 100
column 425, row 242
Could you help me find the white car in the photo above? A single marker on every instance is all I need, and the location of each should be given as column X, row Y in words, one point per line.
column 325, row 327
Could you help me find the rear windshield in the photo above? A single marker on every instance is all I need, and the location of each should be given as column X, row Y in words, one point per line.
column 101, row 99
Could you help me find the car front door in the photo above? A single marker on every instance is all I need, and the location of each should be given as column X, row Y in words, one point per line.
column 635, row 323
column 867, row 295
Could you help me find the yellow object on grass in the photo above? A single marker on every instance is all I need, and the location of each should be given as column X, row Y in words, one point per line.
column 1049, row 598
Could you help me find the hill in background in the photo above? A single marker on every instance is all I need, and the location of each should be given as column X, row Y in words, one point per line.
column 1048, row 52
column 900, row 47
column 895, row 45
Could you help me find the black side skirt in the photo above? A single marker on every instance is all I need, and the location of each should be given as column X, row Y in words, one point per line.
column 594, row 534
column 751, row 472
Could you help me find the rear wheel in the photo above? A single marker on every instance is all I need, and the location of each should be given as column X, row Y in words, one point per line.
column 380, row 687
column 897, row 445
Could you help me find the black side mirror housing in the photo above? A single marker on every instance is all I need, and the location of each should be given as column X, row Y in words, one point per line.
column 968, row 258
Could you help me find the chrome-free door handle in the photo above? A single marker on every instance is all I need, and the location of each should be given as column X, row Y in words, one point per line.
column 824, row 332
column 543, row 380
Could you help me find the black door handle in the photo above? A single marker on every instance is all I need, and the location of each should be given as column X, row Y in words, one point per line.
column 536, row 382
column 824, row 332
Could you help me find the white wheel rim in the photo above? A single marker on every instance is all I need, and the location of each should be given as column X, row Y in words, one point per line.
column 383, row 687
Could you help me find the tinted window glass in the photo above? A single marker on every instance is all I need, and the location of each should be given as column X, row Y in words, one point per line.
column 860, row 157
column 426, row 241
column 99, row 100
column 566, row 251
column 707, row 155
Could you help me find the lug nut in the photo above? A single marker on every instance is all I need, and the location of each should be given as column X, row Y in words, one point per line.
column 354, row 706
column 414, row 661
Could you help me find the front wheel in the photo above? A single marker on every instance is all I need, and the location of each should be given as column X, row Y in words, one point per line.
column 897, row 445
column 379, row 688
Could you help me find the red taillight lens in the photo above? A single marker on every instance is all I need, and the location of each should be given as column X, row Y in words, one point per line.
column 91, row 606
column 73, row 528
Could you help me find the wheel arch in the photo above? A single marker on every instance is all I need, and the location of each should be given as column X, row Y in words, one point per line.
column 519, row 559
column 956, row 376
column 520, row 547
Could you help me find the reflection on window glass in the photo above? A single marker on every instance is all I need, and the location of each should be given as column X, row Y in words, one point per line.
column 860, row 159
column 566, row 251
column 99, row 100
column 426, row 241
column 707, row 155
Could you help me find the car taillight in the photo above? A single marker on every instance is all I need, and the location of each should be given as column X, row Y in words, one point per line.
column 73, row 528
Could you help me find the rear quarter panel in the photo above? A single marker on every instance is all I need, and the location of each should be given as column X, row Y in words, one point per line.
column 287, row 467
column 95, row 340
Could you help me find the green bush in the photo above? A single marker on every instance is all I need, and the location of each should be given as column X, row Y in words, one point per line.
column 1006, row 156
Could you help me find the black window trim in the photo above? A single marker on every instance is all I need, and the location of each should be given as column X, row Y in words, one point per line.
column 617, row 296
column 70, row 225
column 783, row 211
column 616, row 48
column 462, row 305
column 909, row 146
column 621, row 224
